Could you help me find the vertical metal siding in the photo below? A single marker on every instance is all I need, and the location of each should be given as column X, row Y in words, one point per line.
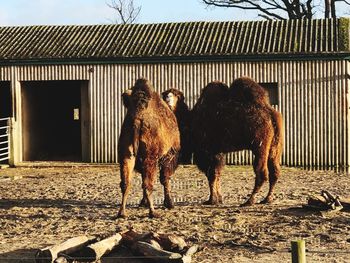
column 312, row 98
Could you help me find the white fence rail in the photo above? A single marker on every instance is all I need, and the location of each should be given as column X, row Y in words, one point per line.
column 4, row 139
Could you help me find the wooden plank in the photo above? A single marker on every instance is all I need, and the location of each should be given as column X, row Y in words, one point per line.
column 49, row 254
column 99, row 249
column 298, row 251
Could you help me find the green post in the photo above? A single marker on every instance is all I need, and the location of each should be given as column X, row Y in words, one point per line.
column 298, row 251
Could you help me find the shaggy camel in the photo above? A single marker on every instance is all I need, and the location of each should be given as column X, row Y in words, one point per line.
column 233, row 119
column 176, row 102
column 149, row 138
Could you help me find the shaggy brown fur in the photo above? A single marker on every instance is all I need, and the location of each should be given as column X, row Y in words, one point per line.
column 232, row 119
column 176, row 102
column 247, row 91
column 149, row 137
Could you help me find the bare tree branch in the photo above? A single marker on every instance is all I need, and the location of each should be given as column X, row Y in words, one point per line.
column 280, row 9
column 309, row 8
column 126, row 11
column 333, row 11
column 275, row 4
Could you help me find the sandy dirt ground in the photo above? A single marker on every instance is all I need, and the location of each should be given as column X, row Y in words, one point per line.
column 47, row 205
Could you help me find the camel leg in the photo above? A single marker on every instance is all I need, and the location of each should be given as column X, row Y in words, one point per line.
column 144, row 201
column 126, row 171
column 261, row 175
column 213, row 174
column 219, row 164
column 274, row 173
column 148, row 177
column 218, row 189
column 212, row 180
column 165, row 173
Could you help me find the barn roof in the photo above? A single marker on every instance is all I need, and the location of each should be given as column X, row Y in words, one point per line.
column 187, row 40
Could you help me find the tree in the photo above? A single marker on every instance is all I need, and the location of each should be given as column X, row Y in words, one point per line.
column 282, row 9
column 126, row 11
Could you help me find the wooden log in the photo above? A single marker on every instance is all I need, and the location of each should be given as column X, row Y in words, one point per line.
column 167, row 242
column 187, row 258
column 324, row 202
column 317, row 203
column 49, row 254
column 61, row 259
column 192, row 250
column 158, row 255
column 158, row 247
column 131, row 237
column 155, row 244
column 346, row 203
column 99, row 249
column 170, row 242
column 298, row 251
column 328, row 196
column 333, row 201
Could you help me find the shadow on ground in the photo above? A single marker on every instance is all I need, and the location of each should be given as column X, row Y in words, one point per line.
column 18, row 256
column 57, row 203
column 120, row 255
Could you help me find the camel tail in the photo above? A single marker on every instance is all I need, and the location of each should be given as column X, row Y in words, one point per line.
column 277, row 144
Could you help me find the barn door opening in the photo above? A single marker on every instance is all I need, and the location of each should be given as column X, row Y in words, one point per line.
column 5, row 99
column 5, row 114
column 51, row 120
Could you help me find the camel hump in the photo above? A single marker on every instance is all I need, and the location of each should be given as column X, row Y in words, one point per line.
column 213, row 93
column 247, row 91
column 217, row 88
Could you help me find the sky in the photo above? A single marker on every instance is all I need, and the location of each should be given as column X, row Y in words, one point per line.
column 85, row 12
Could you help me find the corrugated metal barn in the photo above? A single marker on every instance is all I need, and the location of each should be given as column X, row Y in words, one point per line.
column 62, row 85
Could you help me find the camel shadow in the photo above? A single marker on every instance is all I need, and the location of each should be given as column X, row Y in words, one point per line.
column 307, row 211
column 18, row 256
column 66, row 206
column 56, row 203
column 298, row 211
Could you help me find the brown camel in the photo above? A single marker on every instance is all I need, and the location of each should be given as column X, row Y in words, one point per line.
column 149, row 138
column 233, row 119
column 176, row 102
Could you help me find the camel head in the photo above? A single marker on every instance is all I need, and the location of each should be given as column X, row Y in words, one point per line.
column 173, row 97
column 126, row 98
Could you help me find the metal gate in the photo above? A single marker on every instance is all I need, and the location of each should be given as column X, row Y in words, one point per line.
column 4, row 140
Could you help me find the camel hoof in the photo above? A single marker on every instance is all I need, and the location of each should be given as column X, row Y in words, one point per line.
column 266, row 201
column 154, row 215
column 210, row 202
column 121, row 215
column 169, row 204
column 143, row 203
column 248, row 203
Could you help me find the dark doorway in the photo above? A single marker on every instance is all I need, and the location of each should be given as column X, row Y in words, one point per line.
column 5, row 99
column 5, row 113
column 51, row 120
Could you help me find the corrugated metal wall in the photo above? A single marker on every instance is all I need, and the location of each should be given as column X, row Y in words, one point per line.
column 312, row 98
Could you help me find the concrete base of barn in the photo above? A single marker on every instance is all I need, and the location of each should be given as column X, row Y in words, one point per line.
column 4, row 166
column 63, row 164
